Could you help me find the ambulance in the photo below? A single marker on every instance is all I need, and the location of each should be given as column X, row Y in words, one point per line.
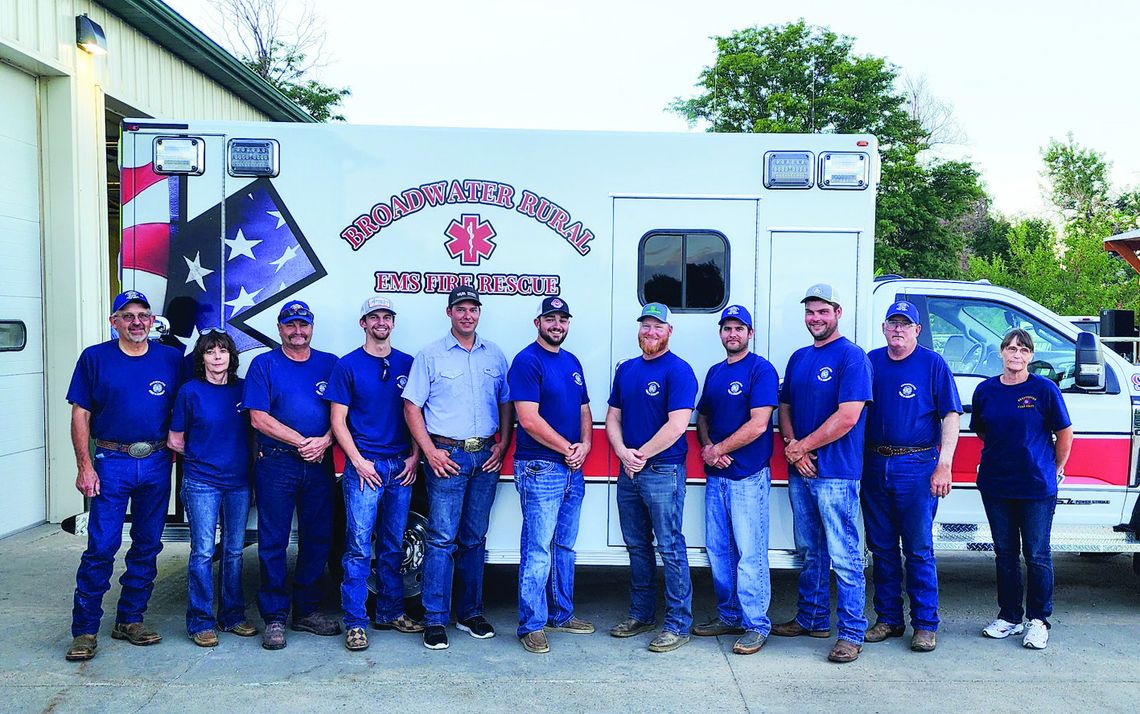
column 223, row 223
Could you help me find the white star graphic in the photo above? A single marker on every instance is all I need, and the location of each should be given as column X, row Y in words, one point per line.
column 277, row 215
column 195, row 271
column 243, row 300
column 289, row 254
column 240, row 245
column 189, row 341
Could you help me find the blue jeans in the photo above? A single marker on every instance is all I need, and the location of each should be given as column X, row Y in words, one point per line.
column 550, row 495
column 652, row 504
column 459, row 512
column 381, row 510
column 1022, row 526
column 898, row 507
column 736, row 540
column 825, row 513
column 146, row 484
column 285, row 483
column 204, row 503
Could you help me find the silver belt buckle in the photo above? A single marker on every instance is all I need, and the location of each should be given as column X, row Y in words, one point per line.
column 140, row 449
column 473, row 444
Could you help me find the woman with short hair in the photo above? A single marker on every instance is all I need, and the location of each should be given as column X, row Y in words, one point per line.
column 1027, row 434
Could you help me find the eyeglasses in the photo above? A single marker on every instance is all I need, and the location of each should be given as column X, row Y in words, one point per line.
column 129, row 317
column 384, row 369
column 897, row 325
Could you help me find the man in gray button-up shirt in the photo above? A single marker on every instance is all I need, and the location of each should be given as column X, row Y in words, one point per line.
column 455, row 402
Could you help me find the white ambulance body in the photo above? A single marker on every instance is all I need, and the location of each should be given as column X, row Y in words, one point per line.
column 225, row 222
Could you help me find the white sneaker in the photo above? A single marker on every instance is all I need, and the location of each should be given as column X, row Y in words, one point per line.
column 999, row 629
column 1036, row 635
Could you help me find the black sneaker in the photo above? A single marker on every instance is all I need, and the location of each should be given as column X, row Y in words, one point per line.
column 477, row 627
column 435, row 637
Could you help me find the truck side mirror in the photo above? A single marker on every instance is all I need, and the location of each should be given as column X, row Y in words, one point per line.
column 1089, row 362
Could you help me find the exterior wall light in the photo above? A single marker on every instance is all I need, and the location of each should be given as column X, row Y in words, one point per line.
column 89, row 36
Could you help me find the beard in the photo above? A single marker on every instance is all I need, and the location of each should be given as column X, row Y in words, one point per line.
column 651, row 347
column 552, row 340
column 137, row 339
column 823, row 332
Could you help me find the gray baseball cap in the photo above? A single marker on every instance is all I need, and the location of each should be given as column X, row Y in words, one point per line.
column 375, row 303
column 824, row 292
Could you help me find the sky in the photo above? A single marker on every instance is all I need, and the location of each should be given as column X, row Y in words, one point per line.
column 1016, row 73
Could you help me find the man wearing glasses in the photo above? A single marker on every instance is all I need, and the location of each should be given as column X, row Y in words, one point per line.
column 912, row 431
column 121, row 395
column 455, row 402
column 284, row 393
column 380, row 467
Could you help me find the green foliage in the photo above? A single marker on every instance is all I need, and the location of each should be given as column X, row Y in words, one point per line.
column 802, row 79
column 284, row 67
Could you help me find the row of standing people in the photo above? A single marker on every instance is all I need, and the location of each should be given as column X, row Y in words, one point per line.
column 450, row 408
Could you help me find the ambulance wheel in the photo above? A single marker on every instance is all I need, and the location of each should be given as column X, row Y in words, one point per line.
column 415, row 544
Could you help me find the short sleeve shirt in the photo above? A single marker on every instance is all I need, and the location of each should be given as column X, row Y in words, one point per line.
column 730, row 393
column 372, row 394
column 556, row 382
column 290, row 392
column 216, row 432
column 646, row 391
column 911, row 397
column 129, row 398
column 1018, row 422
column 459, row 391
column 817, row 381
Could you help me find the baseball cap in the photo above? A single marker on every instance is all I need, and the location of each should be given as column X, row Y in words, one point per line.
column 295, row 310
column 461, row 293
column 655, row 310
column 554, row 304
column 374, row 303
column 127, row 296
column 736, row 312
column 823, row 291
column 904, row 308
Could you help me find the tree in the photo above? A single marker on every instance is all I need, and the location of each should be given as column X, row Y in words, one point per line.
column 283, row 55
column 800, row 78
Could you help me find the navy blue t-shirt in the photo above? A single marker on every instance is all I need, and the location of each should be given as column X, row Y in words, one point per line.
column 129, row 397
column 216, row 433
column 817, row 381
column 375, row 407
column 912, row 396
column 1018, row 422
column 646, row 391
column 556, row 382
column 290, row 392
column 730, row 394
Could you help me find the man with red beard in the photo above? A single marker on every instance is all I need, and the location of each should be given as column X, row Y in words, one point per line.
column 822, row 414
column 650, row 406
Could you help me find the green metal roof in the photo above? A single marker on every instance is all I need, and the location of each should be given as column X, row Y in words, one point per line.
column 169, row 29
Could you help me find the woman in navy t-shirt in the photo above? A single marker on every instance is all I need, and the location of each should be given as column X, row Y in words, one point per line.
column 1027, row 434
column 212, row 432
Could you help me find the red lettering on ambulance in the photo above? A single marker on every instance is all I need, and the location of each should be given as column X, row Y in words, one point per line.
column 414, row 199
column 558, row 221
column 382, row 214
column 354, row 236
column 527, row 203
column 506, row 193
column 455, row 193
column 435, row 193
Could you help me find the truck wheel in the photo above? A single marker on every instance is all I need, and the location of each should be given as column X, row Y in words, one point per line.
column 415, row 544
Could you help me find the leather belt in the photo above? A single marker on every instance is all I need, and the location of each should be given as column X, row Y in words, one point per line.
column 471, row 445
column 137, row 449
column 900, row 450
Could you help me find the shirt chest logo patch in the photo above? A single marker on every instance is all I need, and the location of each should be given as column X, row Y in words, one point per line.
column 825, row 374
column 402, row 381
column 157, row 388
column 320, row 388
column 653, row 389
column 907, row 390
column 736, row 389
column 578, row 379
column 1027, row 402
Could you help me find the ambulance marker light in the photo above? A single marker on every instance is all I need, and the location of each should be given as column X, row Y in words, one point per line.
column 788, row 169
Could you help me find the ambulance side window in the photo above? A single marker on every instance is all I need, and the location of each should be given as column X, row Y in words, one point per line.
column 968, row 333
column 688, row 271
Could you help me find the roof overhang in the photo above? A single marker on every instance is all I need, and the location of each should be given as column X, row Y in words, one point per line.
column 1127, row 246
column 157, row 21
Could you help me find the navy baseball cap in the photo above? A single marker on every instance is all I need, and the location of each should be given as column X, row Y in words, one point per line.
column 736, row 312
column 904, row 308
column 461, row 293
column 295, row 310
column 554, row 304
column 127, row 296
column 656, row 310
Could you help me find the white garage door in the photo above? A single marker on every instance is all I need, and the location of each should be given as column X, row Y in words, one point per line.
column 23, row 478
